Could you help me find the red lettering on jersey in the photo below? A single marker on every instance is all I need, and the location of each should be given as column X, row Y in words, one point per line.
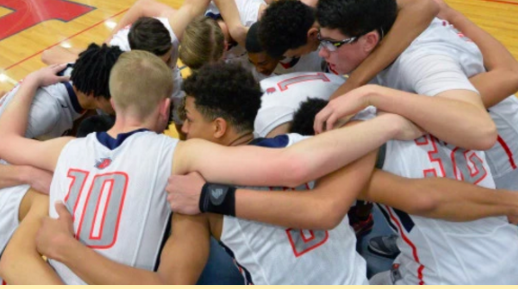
column 29, row 13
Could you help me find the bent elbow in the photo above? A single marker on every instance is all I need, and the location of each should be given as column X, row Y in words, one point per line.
column 489, row 136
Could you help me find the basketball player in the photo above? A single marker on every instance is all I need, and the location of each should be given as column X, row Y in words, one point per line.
column 102, row 160
column 212, row 115
column 423, row 75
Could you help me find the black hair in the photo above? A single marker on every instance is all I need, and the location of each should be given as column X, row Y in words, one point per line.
column 149, row 34
column 225, row 90
column 284, row 26
column 357, row 17
column 92, row 69
column 95, row 123
column 252, row 41
column 304, row 117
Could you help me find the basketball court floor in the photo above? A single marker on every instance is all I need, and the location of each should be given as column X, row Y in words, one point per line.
column 29, row 27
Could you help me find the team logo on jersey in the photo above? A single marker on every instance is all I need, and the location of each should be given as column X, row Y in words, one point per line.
column 270, row 90
column 103, row 163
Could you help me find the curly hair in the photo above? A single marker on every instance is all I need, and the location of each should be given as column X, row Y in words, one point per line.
column 92, row 69
column 304, row 117
column 149, row 34
column 357, row 17
column 225, row 90
column 284, row 26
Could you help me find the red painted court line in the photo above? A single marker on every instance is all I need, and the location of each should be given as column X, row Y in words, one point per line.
column 503, row 2
column 82, row 31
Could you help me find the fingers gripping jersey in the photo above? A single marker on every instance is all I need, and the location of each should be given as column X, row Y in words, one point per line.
column 283, row 95
column 441, row 252
column 267, row 254
column 442, row 59
column 120, row 39
column 117, row 196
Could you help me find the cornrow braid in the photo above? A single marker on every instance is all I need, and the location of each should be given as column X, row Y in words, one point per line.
column 92, row 69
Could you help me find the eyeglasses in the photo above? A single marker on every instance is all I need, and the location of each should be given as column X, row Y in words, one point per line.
column 333, row 45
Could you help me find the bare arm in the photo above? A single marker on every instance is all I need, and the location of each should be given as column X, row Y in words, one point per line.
column 21, row 263
column 501, row 80
column 439, row 198
column 11, row 176
column 455, row 116
column 230, row 14
column 413, row 18
column 16, row 149
column 182, row 261
column 292, row 166
column 189, row 10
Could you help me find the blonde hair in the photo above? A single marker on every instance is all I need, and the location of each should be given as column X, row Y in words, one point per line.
column 139, row 81
column 202, row 42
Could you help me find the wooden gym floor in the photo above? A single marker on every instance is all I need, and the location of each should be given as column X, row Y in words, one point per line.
column 28, row 27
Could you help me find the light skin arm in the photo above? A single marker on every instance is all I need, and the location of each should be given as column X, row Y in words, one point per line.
column 501, row 80
column 11, row 176
column 473, row 127
column 248, row 165
column 21, row 263
column 230, row 14
column 15, row 148
column 181, row 262
column 413, row 18
column 189, row 10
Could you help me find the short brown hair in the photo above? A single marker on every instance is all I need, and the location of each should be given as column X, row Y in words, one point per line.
column 139, row 81
column 202, row 42
column 149, row 34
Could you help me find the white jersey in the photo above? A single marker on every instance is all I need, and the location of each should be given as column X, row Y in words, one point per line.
column 268, row 254
column 53, row 110
column 442, row 59
column 249, row 13
column 440, row 252
column 120, row 39
column 115, row 189
column 283, row 95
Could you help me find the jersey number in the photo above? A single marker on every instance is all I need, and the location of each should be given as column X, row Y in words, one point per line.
column 283, row 85
column 460, row 164
column 99, row 221
column 303, row 241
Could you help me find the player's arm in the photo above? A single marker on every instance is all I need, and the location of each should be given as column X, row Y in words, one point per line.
column 300, row 163
column 15, row 148
column 455, row 114
column 142, row 8
column 440, row 198
column 182, row 261
column 11, row 175
column 230, row 14
column 20, row 262
column 412, row 19
column 501, row 80
column 189, row 10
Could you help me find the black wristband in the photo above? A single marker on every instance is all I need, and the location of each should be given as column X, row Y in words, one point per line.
column 218, row 199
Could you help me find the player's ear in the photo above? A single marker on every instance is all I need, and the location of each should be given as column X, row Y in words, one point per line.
column 225, row 45
column 312, row 33
column 370, row 41
column 220, row 127
column 165, row 106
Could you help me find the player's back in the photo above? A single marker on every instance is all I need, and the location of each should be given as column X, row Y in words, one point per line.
column 268, row 254
column 440, row 252
column 53, row 110
column 441, row 38
column 115, row 189
column 284, row 93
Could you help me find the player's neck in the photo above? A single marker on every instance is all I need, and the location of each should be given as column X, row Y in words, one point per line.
column 242, row 139
column 128, row 124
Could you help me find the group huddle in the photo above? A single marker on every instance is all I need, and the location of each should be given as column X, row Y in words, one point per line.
column 295, row 115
